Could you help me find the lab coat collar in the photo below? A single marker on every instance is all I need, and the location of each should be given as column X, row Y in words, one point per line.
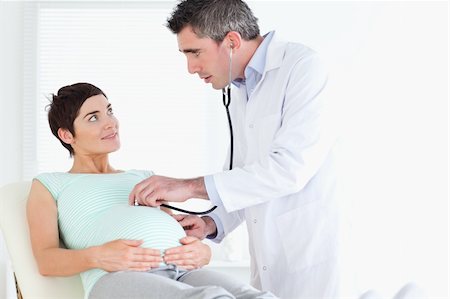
column 275, row 52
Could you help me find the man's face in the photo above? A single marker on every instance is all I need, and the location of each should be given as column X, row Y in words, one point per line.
column 205, row 57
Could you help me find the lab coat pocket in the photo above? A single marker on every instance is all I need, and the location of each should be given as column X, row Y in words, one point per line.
column 307, row 235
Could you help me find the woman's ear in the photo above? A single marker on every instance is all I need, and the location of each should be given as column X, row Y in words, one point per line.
column 65, row 135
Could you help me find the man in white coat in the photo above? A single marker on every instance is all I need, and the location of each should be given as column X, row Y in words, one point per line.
column 282, row 181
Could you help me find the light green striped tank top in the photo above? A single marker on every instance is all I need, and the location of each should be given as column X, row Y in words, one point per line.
column 93, row 209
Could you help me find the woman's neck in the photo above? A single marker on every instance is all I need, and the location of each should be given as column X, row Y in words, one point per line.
column 91, row 164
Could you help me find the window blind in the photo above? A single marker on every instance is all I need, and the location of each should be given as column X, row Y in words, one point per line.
column 170, row 121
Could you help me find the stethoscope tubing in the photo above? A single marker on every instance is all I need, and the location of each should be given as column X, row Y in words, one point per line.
column 226, row 102
column 226, row 98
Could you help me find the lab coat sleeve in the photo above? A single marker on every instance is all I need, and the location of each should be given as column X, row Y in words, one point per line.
column 230, row 220
column 225, row 222
column 211, row 190
column 297, row 150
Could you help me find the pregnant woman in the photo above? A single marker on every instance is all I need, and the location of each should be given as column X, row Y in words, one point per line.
column 121, row 251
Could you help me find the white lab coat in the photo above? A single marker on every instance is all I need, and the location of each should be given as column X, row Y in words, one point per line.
column 283, row 181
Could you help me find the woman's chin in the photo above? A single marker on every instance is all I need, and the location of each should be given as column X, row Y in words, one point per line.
column 115, row 149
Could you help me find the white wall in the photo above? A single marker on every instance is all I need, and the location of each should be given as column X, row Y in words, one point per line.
column 388, row 66
column 11, row 56
column 11, row 52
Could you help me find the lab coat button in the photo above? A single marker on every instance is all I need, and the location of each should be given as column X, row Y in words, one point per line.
column 254, row 220
column 264, row 268
column 250, row 126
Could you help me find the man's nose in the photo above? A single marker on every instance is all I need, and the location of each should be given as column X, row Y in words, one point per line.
column 193, row 67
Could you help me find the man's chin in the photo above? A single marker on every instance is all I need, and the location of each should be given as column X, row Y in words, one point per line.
column 218, row 87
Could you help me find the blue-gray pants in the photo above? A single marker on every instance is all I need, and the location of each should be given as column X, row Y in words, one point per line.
column 169, row 282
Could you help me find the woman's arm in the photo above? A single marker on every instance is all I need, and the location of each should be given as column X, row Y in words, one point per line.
column 55, row 261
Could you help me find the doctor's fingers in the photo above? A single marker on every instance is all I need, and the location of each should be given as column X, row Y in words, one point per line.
column 190, row 221
column 150, row 202
column 194, row 226
column 138, row 188
column 146, row 197
column 149, row 195
column 197, row 232
column 179, row 217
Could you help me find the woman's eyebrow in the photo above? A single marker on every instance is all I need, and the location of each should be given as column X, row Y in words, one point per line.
column 96, row 111
column 90, row 113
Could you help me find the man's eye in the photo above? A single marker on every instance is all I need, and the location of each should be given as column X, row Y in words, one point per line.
column 196, row 54
column 93, row 118
column 110, row 111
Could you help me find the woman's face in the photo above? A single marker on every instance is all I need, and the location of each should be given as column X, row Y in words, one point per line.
column 96, row 128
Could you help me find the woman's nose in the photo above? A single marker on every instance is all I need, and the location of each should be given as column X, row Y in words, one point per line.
column 111, row 122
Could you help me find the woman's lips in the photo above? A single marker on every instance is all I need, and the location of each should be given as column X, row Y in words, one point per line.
column 110, row 136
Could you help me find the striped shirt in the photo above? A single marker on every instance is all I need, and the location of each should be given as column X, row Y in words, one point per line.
column 93, row 209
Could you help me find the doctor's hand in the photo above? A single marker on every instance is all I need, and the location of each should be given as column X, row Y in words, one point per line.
column 195, row 226
column 157, row 190
column 192, row 254
column 123, row 255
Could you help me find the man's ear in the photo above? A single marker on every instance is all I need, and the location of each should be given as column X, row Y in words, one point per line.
column 233, row 39
column 65, row 135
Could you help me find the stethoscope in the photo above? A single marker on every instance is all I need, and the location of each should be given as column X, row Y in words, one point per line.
column 226, row 98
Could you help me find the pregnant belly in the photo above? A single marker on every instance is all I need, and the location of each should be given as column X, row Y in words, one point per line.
column 156, row 228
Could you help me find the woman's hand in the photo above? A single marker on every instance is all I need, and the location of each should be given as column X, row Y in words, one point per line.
column 192, row 254
column 122, row 255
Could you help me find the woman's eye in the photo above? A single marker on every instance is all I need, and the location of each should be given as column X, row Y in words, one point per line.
column 110, row 111
column 93, row 118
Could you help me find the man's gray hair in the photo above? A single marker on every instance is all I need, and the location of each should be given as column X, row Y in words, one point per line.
column 214, row 18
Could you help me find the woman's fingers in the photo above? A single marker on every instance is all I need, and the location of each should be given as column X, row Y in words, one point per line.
column 143, row 266
column 128, row 255
column 192, row 255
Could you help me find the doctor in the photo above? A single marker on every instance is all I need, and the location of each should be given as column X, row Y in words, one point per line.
column 282, row 182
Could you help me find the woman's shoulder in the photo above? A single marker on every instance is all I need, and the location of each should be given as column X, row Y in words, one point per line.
column 53, row 181
column 52, row 177
column 140, row 172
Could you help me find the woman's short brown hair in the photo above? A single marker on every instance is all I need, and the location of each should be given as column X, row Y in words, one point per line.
column 65, row 107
